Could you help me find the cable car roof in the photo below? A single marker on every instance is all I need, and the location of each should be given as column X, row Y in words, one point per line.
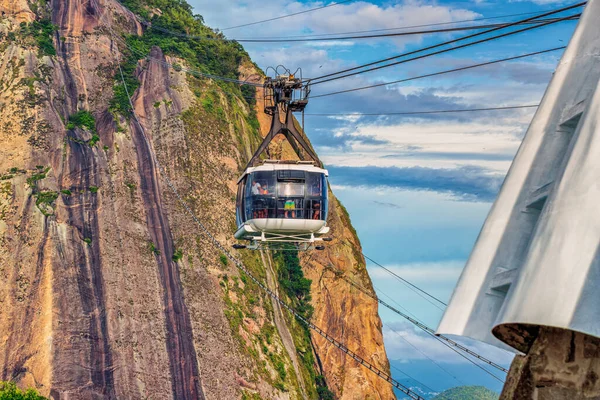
column 274, row 165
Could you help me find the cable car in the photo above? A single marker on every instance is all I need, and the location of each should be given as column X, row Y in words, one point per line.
column 283, row 204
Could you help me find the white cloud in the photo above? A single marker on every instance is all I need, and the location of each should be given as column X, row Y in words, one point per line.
column 331, row 43
column 355, row 16
column 433, row 144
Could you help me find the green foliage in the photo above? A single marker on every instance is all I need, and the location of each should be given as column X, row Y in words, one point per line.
column 322, row 389
column 280, row 368
column 253, row 121
column 95, row 138
column 208, row 103
column 44, row 201
column 119, row 104
column 178, row 255
column 88, row 241
column 46, row 197
column 94, row 189
column 467, row 393
column 293, row 282
column 250, row 396
column 41, row 31
column 223, row 259
column 249, row 93
column 10, row 391
column 33, row 179
column 210, row 56
column 66, row 192
column 6, row 177
column 153, row 249
column 346, row 215
column 83, row 119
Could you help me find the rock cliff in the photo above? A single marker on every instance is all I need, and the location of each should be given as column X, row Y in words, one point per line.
column 108, row 289
column 559, row 365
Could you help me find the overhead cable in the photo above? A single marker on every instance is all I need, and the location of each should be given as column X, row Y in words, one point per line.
column 441, row 72
column 442, row 51
column 451, row 344
column 417, row 26
column 358, row 114
column 448, row 42
column 310, row 38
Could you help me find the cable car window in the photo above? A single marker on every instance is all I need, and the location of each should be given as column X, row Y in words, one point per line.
column 314, row 184
column 260, row 192
column 315, row 210
column 240, row 202
column 260, row 183
column 325, row 196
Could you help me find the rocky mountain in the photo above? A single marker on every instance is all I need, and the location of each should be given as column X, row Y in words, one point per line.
column 108, row 288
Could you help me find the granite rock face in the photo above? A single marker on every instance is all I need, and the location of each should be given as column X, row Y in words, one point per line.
column 561, row 365
column 108, row 289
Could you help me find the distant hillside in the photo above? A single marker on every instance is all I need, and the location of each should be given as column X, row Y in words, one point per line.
column 467, row 393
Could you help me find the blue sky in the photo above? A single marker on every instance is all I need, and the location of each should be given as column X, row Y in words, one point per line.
column 417, row 188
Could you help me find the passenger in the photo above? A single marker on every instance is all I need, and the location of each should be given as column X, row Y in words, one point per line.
column 290, row 206
column 260, row 209
column 317, row 211
column 256, row 188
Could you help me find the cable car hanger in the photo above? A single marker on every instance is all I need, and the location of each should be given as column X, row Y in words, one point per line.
column 285, row 94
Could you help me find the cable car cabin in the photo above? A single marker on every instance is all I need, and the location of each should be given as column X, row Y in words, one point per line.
column 282, row 203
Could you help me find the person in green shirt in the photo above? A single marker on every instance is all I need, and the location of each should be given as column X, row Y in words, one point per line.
column 290, row 206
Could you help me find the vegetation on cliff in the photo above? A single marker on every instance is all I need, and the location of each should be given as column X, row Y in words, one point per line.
column 212, row 55
column 293, row 282
column 467, row 393
column 37, row 34
column 10, row 391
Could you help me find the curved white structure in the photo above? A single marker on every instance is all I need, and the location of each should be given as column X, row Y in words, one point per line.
column 537, row 259
column 281, row 226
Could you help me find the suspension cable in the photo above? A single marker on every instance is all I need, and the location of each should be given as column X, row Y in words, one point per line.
column 417, row 26
column 442, row 72
column 443, row 51
column 310, row 38
column 449, row 342
column 450, row 41
column 358, row 114
column 405, row 281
